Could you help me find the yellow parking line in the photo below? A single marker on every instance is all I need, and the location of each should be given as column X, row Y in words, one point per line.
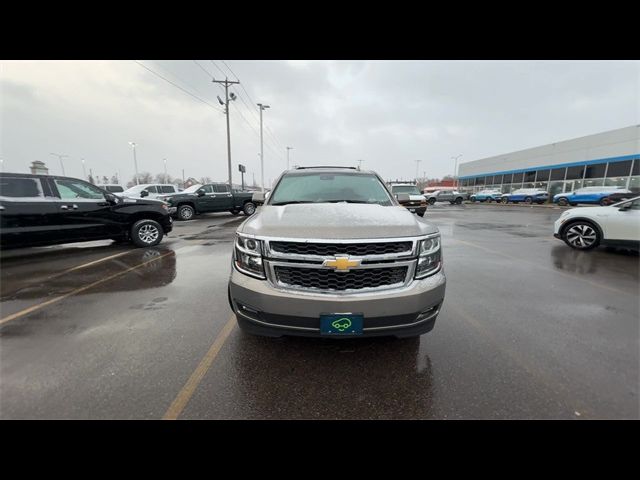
column 181, row 401
column 511, row 257
column 33, row 308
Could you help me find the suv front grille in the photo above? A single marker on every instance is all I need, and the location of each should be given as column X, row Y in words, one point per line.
column 331, row 280
column 331, row 249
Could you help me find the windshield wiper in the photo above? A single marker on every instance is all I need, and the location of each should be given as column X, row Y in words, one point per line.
column 290, row 202
column 347, row 201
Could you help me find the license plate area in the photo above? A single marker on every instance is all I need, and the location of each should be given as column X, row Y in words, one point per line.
column 337, row 324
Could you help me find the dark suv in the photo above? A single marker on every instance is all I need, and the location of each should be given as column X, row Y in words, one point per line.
column 40, row 210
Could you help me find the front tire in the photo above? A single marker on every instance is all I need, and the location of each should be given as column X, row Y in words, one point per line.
column 146, row 233
column 581, row 235
column 604, row 201
column 528, row 200
column 505, row 200
column 186, row 212
column 563, row 202
column 249, row 208
column 473, row 199
column 458, row 201
column 432, row 201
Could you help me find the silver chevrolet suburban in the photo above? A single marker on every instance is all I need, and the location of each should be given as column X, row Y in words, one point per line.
column 333, row 253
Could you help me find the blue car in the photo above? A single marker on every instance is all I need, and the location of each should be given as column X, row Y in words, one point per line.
column 526, row 195
column 593, row 195
column 486, row 196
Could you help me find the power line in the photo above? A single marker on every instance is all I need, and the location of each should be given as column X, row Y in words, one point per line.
column 178, row 86
column 252, row 102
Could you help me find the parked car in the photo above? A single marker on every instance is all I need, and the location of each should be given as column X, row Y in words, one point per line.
column 619, row 197
column 46, row 210
column 615, row 225
column 333, row 253
column 592, row 195
column 526, row 195
column 111, row 187
column 212, row 197
column 450, row 196
column 486, row 196
column 416, row 202
column 150, row 190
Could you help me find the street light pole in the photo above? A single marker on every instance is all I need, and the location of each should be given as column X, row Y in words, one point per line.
column 288, row 148
column 135, row 160
column 84, row 170
column 360, row 164
column 417, row 168
column 165, row 171
column 60, row 157
column 455, row 171
column 262, row 107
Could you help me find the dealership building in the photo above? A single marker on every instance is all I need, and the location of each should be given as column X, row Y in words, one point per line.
column 605, row 159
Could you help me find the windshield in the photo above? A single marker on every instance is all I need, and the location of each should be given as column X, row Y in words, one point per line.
column 192, row 189
column 316, row 187
column 411, row 189
column 114, row 188
column 136, row 189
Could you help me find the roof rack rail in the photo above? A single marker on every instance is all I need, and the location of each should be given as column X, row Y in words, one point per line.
column 327, row 166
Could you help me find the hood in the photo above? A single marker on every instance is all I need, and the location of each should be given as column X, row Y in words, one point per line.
column 335, row 221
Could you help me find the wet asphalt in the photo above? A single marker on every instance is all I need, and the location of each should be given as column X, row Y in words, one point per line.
column 530, row 329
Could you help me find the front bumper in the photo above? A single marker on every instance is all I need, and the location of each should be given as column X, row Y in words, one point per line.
column 265, row 310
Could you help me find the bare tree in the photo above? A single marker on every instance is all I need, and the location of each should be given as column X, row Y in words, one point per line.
column 143, row 177
column 204, row 180
column 162, row 178
column 114, row 179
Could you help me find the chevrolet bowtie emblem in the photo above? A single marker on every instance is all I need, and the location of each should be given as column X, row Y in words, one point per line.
column 341, row 264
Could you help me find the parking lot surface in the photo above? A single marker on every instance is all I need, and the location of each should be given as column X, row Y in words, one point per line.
column 529, row 329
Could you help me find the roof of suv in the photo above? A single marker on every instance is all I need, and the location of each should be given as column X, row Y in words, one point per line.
column 327, row 169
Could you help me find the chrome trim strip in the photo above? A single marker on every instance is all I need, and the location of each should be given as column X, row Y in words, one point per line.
column 309, row 329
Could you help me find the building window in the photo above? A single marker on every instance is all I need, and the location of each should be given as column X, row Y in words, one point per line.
column 634, row 184
column 542, row 176
column 619, row 169
column 595, row 171
column 558, row 173
column 507, row 178
column 636, row 167
column 517, row 177
column 530, row 177
column 575, row 173
column 480, row 181
column 593, row 182
column 555, row 188
column 615, row 181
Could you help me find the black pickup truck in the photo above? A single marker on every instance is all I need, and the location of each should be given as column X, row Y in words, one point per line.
column 212, row 197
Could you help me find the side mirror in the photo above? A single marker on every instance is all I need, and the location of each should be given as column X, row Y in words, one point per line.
column 200, row 193
column 403, row 197
column 258, row 198
column 144, row 193
column 111, row 198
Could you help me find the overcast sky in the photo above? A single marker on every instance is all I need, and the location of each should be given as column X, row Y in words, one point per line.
column 387, row 113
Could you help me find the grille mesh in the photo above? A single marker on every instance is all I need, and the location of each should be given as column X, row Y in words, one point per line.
column 330, row 249
column 331, row 280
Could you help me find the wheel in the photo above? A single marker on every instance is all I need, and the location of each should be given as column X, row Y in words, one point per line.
column 432, row 201
column 504, row 200
column 146, row 233
column 581, row 235
column 458, row 201
column 489, row 199
column 233, row 211
column 528, row 200
column 604, row 201
column 186, row 212
column 472, row 199
column 249, row 208
column 563, row 202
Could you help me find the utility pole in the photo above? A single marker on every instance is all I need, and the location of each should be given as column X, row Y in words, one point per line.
column 262, row 108
column 165, row 171
column 60, row 157
column 183, row 178
column 226, row 82
column 417, row 167
column 360, row 164
column 455, row 171
column 84, row 170
column 288, row 148
column 135, row 160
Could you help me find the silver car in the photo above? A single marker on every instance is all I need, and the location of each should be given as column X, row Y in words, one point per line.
column 332, row 253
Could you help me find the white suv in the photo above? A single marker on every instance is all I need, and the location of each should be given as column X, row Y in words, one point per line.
column 149, row 190
column 587, row 227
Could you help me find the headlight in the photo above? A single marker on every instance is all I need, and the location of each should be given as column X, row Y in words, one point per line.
column 248, row 256
column 429, row 258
